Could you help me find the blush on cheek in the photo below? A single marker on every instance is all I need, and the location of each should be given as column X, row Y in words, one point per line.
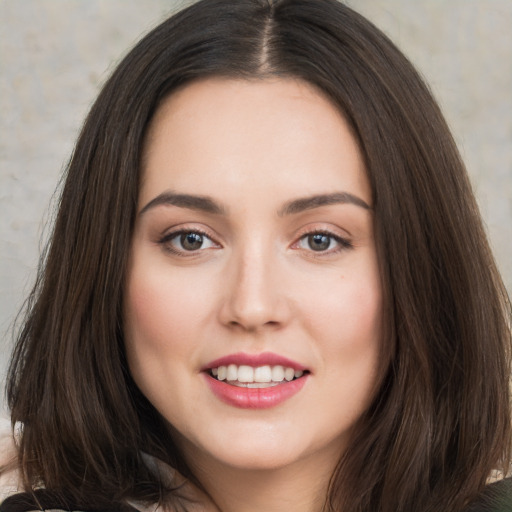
column 352, row 321
column 161, row 315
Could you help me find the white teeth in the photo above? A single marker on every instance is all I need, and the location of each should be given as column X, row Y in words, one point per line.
column 245, row 374
column 278, row 374
column 222, row 373
column 262, row 374
column 232, row 372
column 248, row 376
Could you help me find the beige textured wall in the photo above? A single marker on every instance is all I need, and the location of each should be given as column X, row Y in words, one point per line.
column 464, row 50
column 54, row 55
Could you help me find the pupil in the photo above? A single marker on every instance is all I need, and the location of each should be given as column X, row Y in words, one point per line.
column 191, row 241
column 319, row 242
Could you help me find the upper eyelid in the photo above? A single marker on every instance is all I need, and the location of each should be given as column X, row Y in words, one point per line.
column 177, row 230
column 168, row 237
column 332, row 230
column 322, row 232
column 174, row 231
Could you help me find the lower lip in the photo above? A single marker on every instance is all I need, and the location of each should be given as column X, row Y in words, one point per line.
column 255, row 398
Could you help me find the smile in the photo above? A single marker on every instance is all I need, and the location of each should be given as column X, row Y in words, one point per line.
column 256, row 381
column 259, row 377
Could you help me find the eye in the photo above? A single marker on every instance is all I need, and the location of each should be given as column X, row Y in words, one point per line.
column 180, row 242
column 323, row 242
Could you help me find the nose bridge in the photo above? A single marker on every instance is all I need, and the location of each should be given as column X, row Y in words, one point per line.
column 254, row 298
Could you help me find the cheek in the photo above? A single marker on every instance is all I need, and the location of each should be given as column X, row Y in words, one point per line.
column 350, row 310
column 347, row 324
column 161, row 314
column 162, row 301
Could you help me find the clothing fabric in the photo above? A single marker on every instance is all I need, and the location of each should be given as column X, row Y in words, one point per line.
column 497, row 497
column 47, row 501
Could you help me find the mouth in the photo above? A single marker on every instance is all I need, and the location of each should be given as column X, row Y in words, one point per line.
column 265, row 376
column 255, row 381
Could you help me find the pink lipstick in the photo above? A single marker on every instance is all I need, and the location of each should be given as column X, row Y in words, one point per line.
column 255, row 381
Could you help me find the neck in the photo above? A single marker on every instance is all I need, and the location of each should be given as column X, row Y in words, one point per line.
column 268, row 490
column 300, row 486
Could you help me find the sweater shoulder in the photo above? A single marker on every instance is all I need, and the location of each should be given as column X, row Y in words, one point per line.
column 496, row 497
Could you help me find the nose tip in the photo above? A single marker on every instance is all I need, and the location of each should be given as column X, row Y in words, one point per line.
column 254, row 299
column 254, row 319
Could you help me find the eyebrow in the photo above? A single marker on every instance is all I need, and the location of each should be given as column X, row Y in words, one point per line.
column 208, row 205
column 316, row 201
column 191, row 202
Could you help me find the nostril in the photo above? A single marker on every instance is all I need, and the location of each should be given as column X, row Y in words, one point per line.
column 253, row 326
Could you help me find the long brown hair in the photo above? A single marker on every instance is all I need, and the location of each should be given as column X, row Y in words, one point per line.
column 440, row 421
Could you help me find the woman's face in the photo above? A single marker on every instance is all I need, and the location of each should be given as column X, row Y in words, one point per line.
column 253, row 262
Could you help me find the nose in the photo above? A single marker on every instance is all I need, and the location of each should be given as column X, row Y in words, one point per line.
column 255, row 294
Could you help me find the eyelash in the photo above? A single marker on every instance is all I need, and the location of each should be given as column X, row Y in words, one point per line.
column 343, row 243
column 166, row 242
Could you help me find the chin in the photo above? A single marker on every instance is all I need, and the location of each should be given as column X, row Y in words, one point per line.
column 245, row 450
column 258, row 458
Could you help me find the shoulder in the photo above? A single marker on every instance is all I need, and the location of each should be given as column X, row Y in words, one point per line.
column 12, row 495
column 14, row 498
column 496, row 497
column 10, row 481
column 42, row 500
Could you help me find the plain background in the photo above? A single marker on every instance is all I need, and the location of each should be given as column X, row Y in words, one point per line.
column 55, row 55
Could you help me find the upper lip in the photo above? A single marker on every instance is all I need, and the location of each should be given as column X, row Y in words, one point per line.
column 254, row 360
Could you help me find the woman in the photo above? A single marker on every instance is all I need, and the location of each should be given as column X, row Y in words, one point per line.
column 268, row 286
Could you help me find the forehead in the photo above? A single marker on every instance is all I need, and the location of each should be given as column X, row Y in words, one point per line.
column 263, row 132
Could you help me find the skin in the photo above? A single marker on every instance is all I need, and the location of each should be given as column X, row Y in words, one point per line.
column 256, row 284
